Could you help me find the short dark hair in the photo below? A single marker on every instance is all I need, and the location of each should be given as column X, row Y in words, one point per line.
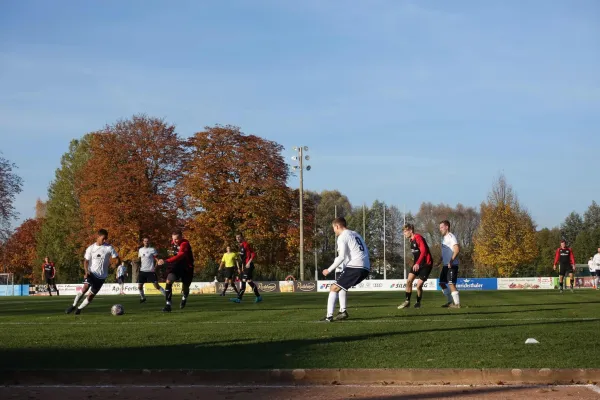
column 446, row 222
column 177, row 232
column 409, row 227
column 103, row 232
column 239, row 234
column 145, row 237
column 340, row 221
column 563, row 241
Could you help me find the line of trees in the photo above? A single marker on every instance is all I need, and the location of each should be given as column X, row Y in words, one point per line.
column 138, row 178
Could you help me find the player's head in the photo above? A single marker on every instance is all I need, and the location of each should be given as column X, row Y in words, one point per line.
column 102, row 236
column 177, row 235
column 408, row 230
column 598, row 250
column 228, row 248
column 444, row 227
column 563, row 244
column 239, row 237
column 46, row 259
column 146, row 241
column 339, row 225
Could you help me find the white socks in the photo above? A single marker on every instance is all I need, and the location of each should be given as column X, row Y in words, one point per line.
column 331, row 303
column 456, row 298
column 84, row 303
column 342, row 295
column 77, row 298
column 447, row 294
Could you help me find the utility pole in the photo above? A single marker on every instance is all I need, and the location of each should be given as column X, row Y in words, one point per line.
column 300, row 158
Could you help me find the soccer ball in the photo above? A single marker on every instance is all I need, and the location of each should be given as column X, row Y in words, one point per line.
column 117, row 309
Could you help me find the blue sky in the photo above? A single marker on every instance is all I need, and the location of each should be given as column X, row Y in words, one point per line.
column 402, row 101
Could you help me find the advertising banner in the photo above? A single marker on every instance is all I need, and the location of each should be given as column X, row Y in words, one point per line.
column 475, row 284
column 297, row 286
column 525, row 283
column 582, row 283
column 379, row 285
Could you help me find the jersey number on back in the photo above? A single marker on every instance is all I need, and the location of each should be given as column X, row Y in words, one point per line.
column 360, row 245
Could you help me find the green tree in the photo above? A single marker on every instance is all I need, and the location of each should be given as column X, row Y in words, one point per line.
column 505, row 239
column 547, row 241
column 61, row 237
column 571, row 227
column 591, row 217
column 326, row 204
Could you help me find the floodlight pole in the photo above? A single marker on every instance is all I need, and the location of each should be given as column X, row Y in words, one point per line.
column 301, row 214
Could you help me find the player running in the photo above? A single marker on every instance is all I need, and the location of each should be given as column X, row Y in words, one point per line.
column 179, row 267
column 49, row 272
column 596, row 260
column 354, row 253
column 247, row 255
column 566, row 259
column 231, row 262
column 95, row 264
column 147, row 255
column 423, row 264
column 121, row 275
column 449, row 274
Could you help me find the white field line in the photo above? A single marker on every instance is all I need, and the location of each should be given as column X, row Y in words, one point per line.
column 286, row 322
column 594, row 388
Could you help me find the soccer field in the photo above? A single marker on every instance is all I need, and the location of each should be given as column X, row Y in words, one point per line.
column 282, row 332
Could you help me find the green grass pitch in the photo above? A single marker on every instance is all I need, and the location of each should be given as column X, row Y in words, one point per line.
column 282, row 332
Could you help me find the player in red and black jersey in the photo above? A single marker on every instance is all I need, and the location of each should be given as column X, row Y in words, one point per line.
column 566, row 260
column 247, row 255
column 179, row 267
column 49, row 272
column 421, row 268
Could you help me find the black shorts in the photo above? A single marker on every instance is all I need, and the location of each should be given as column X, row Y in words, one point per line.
column 147, row 277
column 248, row 273
column 423, row 272
column 50, row 281
column 121, row 279
column 185, row 275
column 229, row 272
column 351, row 277
column 565, row 270
column 337, row 274
column 94, row 282
column 598, row 272
column 449, row 275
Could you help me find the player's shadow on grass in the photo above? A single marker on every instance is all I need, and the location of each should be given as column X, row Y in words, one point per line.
column 269, row 354
column 451, row 312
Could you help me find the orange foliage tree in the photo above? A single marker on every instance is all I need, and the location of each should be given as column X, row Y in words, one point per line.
column 128, row 183
column 19, row 254
column 235, row 182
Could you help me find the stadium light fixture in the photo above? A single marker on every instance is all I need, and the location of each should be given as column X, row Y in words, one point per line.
column 300, row 157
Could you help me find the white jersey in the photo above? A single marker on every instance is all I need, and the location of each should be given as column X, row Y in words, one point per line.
column 147, row 254
column 352, row 252
column 99, row 259
column 596, row 261
column 121, row 271
column 448, row 243
column 592, row 266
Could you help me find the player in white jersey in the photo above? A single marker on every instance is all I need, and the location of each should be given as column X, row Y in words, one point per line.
column 449, row 274
column 95, row 264
column 147, row 255
column 121, row 275
column 354, row 254
column 596, row 261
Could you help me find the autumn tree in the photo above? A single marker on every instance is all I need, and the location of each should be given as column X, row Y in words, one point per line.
column 127, row 185
column 235, row 182
column 327, row 202
column 19, row 250
column 63, row 236
column 506, row 238
column 10, row 185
